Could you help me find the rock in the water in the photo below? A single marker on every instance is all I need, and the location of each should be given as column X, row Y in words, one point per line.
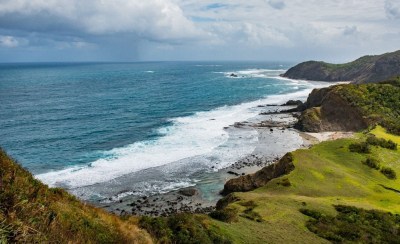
column 189, row 192
column 293, row 103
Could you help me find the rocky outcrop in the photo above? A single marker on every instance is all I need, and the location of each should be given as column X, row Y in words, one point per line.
column 326, row 110
column 363, row 70
column 261, row 177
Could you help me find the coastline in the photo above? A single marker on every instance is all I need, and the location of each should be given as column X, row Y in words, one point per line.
column 276, row 137
column 275, row 133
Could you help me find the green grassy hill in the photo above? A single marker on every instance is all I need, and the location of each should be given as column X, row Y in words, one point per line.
column 326, row 175
column 31, row 212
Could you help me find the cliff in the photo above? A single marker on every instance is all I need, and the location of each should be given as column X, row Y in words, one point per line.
column 31, row 212
column 366, row 69
column 352, row 107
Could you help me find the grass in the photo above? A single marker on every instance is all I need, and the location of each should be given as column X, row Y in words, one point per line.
column 31, row 212
column 326, row 175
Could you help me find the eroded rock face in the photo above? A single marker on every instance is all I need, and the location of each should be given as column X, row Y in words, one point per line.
column 326, row 110
column 261, row 177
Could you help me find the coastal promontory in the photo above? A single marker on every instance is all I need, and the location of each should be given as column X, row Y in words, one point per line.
column 367, row 69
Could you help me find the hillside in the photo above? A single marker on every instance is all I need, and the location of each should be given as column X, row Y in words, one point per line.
column 352, row 107
column 333, row 194
column 326, row 179
column 345, row 190
column 31, row 212
column 366, row 69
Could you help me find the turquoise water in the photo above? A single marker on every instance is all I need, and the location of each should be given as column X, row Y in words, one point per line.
column 75, row 125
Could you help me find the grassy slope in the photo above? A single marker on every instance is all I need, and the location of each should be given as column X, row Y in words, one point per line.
column 326, row 174
column 31, row 212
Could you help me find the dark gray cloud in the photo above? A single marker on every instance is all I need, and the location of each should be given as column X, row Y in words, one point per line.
column 392, row 8
column 277, row 4
column 349, row 30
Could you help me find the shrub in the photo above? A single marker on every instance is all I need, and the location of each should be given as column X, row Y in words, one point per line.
column 372, row 163
column 362, row 147
column 285, row 182
column 389, row 144
column 249, row 213
column 355, row 225
column 311, row 213
column 226, row 215
column 181, row 228
column 389, row 173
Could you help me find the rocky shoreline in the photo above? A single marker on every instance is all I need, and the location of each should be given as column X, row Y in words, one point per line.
column 272, row 127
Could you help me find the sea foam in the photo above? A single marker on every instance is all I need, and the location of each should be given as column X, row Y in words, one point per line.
column 202, row 133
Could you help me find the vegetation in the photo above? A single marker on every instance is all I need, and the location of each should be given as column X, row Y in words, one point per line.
column 325, row 176
column 379, row 103
column 182, row 228
column 360, row 147
column 389, row 173
column 372, row 163
column 31, row 212
column 375, row 141
column 227, row 215
column 353, row 224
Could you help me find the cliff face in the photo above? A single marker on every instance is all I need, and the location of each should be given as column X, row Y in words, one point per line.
column 261, row 177
column 327, row 110
column 366, row 69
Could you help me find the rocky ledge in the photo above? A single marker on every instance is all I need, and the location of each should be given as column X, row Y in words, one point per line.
column 327, row 110
column 261, row 177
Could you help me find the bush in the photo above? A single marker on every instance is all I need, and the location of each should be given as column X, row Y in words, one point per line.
column 389, row 173
column 181, row 228
column 310, row 213
column 285, row 182
column 362, row 147
column 157, row 227
column 372, row 163
column 389, row 144
column 248, row 213
column 355, row 225
column 227, row 215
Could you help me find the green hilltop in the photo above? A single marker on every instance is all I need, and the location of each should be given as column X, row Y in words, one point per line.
column 367, row 69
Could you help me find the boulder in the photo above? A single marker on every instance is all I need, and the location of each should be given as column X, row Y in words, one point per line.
column 261, row 177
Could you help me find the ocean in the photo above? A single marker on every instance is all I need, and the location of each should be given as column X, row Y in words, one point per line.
column 79, row 125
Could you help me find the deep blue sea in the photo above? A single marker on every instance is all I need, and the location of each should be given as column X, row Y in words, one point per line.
column 80, row 124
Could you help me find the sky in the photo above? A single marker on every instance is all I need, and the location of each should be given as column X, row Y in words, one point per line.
column 162, row 30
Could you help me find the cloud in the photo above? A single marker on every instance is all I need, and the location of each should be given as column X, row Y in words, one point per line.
column 8, row 41
column 392, row 9
column 277, row 4
column 159, row 20
column 349, row 30
column 209, row 29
